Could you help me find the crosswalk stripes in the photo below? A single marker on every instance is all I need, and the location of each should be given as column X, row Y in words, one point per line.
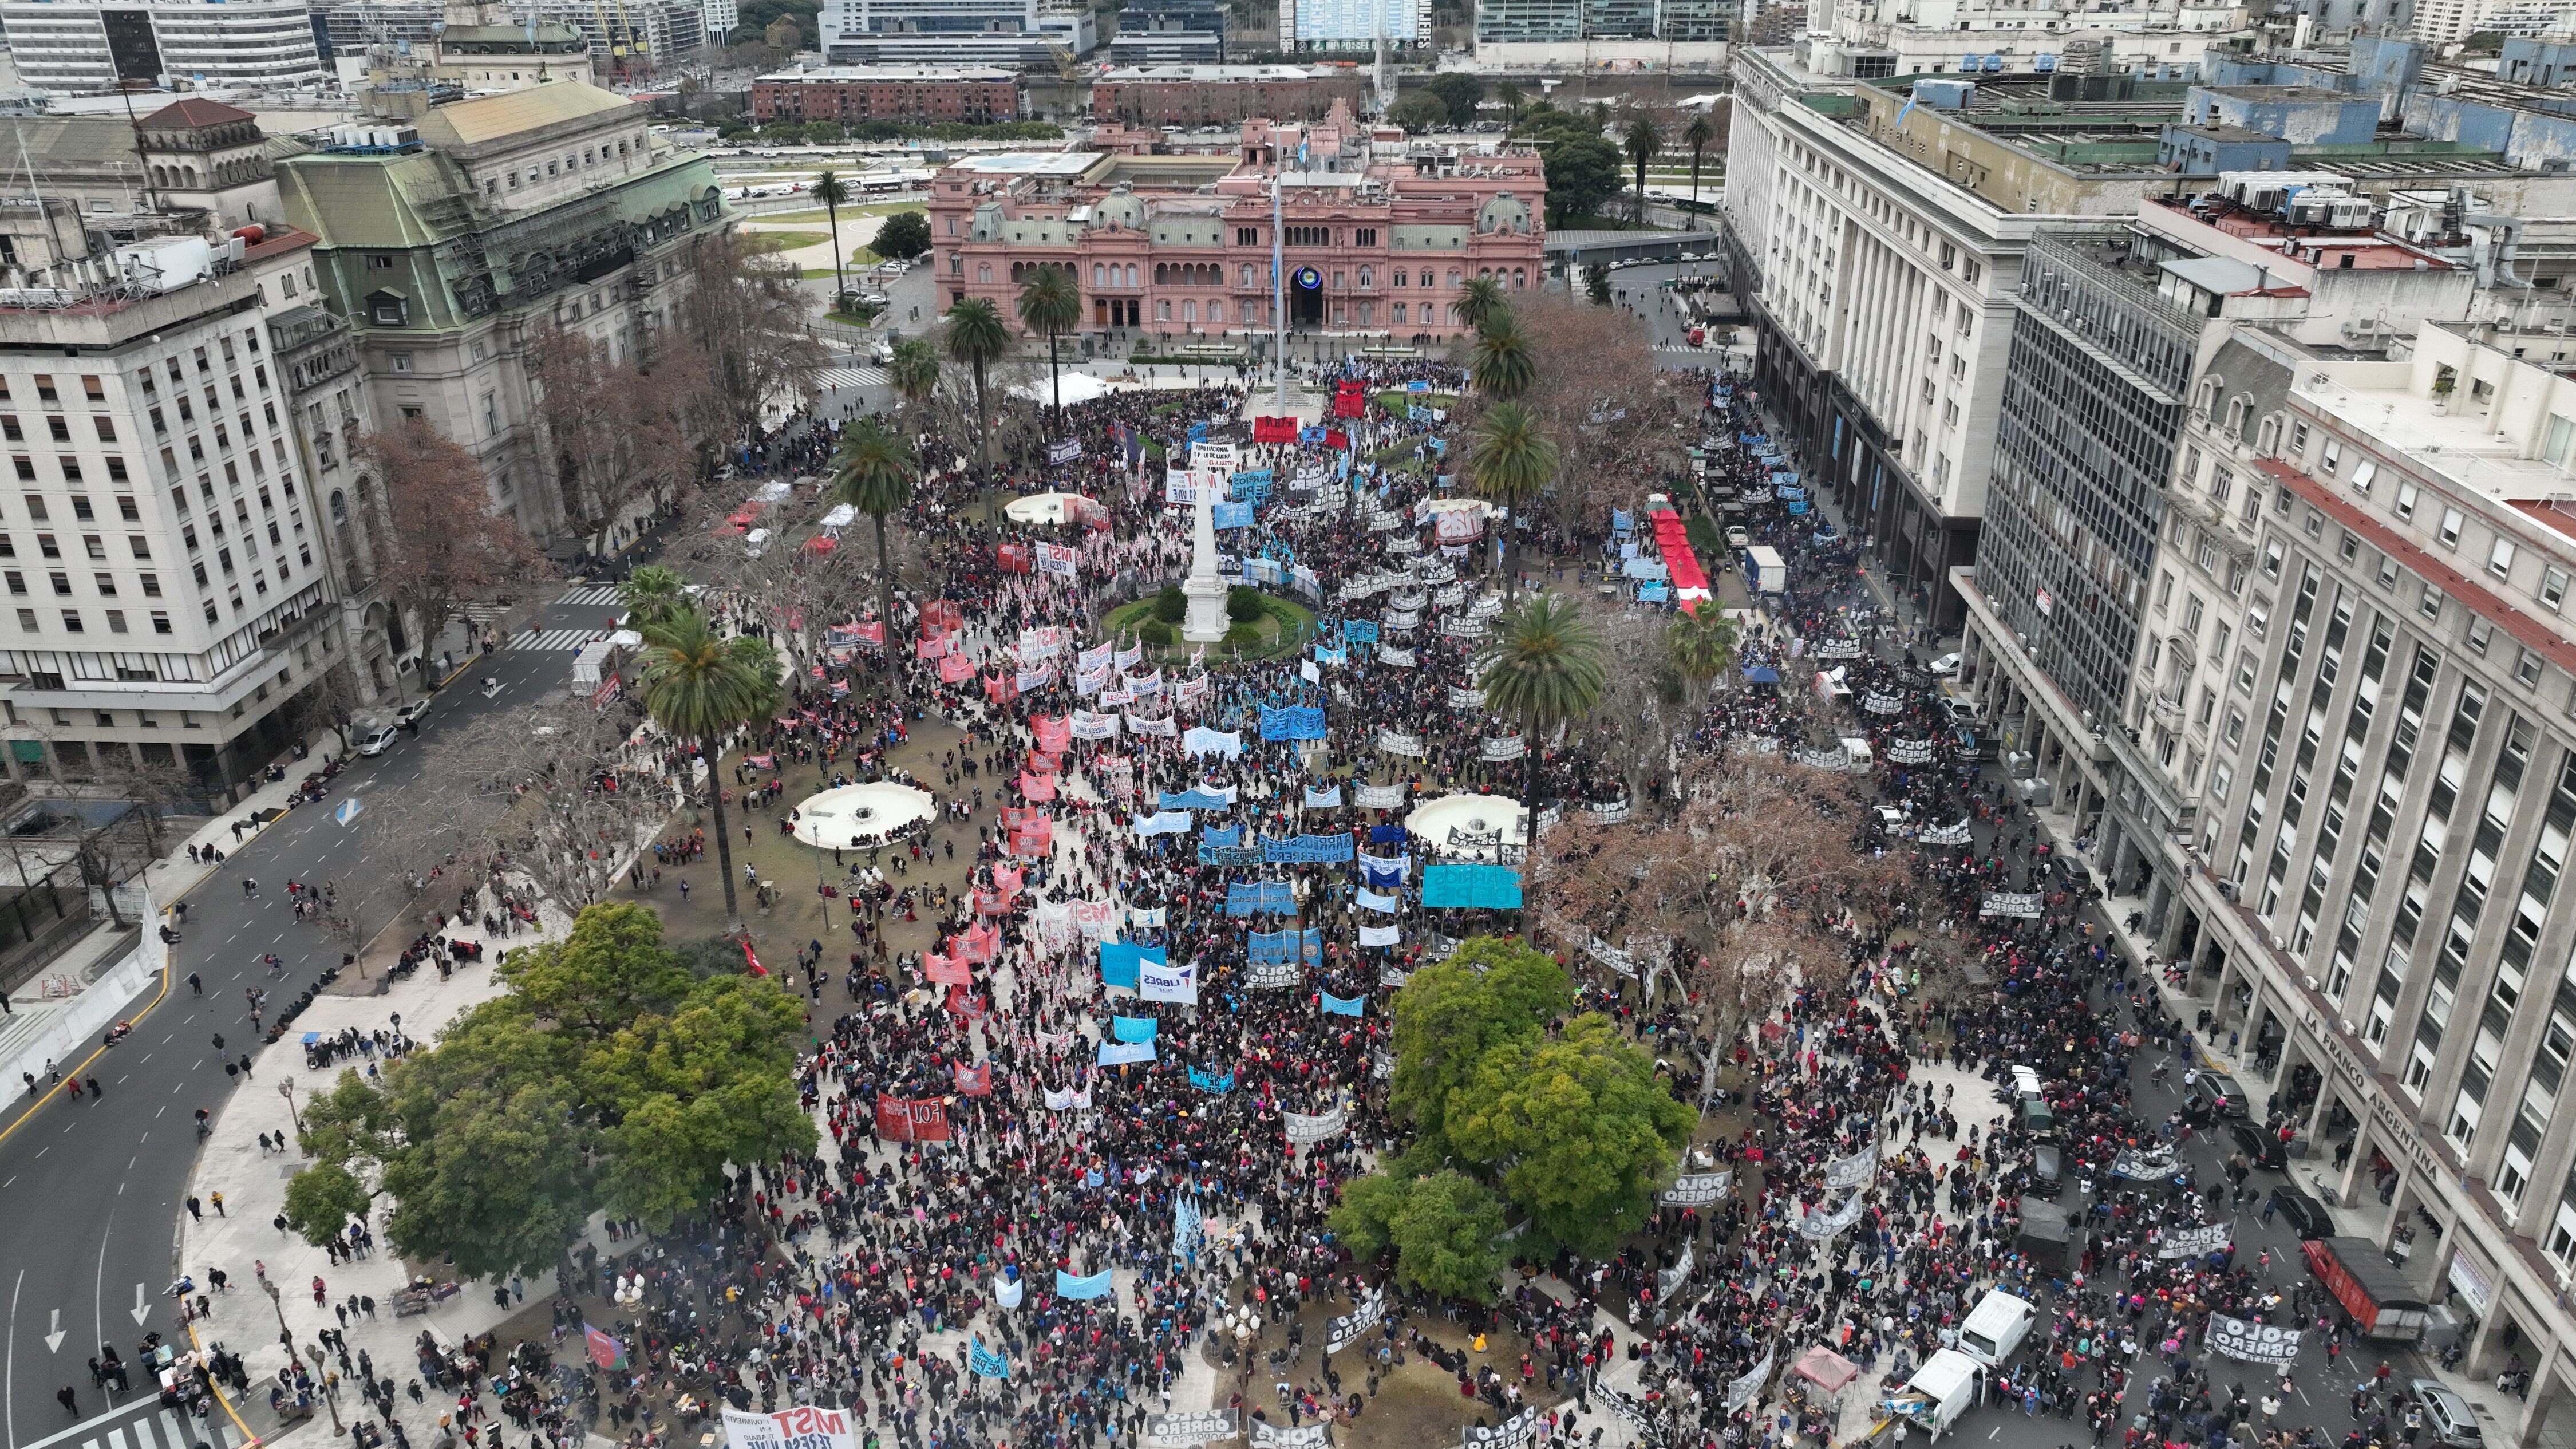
column 484, row 613
column 590, row 594
column 556, row 638
column 144, row 1424
column 832, row 377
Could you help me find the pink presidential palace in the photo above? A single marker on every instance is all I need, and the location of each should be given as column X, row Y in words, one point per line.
column 1379, row 233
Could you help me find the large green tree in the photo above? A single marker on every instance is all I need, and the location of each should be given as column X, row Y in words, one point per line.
column 1051, row 303
column 1445, row 1228
column 1510, row 462
column 1582, row 165
column 976, row 337
column 905, row 235
column 1458, row 90
column 1542, row 667
column 873, row 472
column 700, row 687
column 1502, row 364
column 1489, row 993
column 1578, row 1129
column 652, row 595
column 1643, row 141
column 610, row 1076
column 834, row 193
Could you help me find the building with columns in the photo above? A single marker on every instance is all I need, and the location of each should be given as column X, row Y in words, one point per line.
column 1378, row 237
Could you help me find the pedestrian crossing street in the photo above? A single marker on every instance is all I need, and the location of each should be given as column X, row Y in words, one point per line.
column 590, row 594
column 555, row 638
column 836, row 377
column 145, row 1424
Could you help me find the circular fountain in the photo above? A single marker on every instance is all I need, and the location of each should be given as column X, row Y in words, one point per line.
column 1467, row 827
column 860, row 814
column 1039, row 509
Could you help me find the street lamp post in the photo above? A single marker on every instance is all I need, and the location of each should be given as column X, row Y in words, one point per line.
column 286, row 1089
column 278, row 1302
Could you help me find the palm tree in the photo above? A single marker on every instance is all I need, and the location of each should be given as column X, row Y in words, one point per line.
column 1502, row 366
column 1642, row 141
column 1701, row 644
column 1697, row 136
column 873, row 472
column 977, row 338
column 1479, row 301
column 914, row 370
column 652, row 594
column 699, row 688
column 832, row 191
column 1542, row 668
column 1050, row 303
column 1509, row 462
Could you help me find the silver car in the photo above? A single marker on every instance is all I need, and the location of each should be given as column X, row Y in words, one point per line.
column 2448, row 1415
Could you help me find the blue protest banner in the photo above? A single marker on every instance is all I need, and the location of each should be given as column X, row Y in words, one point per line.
column 1132, row 1028
column 1119, row 960
column 1210, row 1082
column 1119, row 1054
column 1359, row 631
column 1228, row 836
column 1338, row 1007
column 1308, row 850
column 1296, row 722
column 986, row 1364
column 1232, row 515
column 1491, row 887
column 1098, row 1285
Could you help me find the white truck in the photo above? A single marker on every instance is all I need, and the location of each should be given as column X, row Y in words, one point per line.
column 1764, row 573
column 1996, row 1327
column 1945, row 1387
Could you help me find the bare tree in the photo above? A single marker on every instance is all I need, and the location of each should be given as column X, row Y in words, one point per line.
column 443, row 544
column 615, row 437
column 554, row 793
column 1599, row 396
column 748, row 325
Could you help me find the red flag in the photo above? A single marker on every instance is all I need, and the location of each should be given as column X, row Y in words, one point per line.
column 975, row 1081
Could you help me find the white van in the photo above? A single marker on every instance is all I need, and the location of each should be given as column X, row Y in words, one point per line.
column 756, row 542
column 1995, row 1327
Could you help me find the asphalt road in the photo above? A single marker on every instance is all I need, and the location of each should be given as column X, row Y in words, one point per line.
column 98, row 1187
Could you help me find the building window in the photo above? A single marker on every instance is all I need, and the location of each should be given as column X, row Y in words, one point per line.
column 2450, row 530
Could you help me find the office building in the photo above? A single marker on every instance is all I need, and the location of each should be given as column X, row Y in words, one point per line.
column 505, row 213
column 1874, row 39
column 1348, row 25
column 1229, row 95
column 1007, row 33
column 1169, row 32
column 175, row 554
column 84, row 46
column 1181, row 244
column 977, row 95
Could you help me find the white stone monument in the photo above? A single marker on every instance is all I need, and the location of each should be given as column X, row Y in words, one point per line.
column 1206, row 621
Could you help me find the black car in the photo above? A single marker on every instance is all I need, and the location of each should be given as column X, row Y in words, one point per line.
column 2077, row 879
column 2260, row 1147
column 2305, row 1215
column 2220, row 1095
column 2047, row 1171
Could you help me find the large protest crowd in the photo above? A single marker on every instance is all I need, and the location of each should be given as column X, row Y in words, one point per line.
column 1078, row 1157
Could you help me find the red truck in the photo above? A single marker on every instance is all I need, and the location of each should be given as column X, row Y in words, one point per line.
column 2382, row 1303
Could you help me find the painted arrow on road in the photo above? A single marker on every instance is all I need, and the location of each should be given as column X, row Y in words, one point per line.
column 54, row 1340
column 142, row 1310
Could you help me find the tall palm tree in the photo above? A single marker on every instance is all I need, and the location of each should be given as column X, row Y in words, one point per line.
column 1479, row 301
column 914, row 370
column 1509, row 462
column 1542, row 667
column 873, row 472
column 1502, row 365
column 700, row 689
column 1051, row 303
column 977, row 338
column 1701, row 644
column 833, row 192
column 652, row 594
column 1642, row 140
column 1697, row 136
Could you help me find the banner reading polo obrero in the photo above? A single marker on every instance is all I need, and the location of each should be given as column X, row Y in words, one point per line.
column 1697, row 1189
column 2021, row 904
column 1508, row 1434
column 1187, row 1428
column 1741, row 1391
column 1351, row 1327
column 804, row 1427
column 2252, row 1342
column 1854, row 1170
column 1266, row 1435
column 1303, row 1127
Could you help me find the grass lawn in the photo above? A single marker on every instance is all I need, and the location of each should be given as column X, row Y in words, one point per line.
column 819, row 217
column 785, row 241
column 1395, row 401
column 1283, row 627
column 848, row 319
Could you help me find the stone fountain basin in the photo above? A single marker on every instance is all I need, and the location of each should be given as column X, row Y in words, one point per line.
column 860, row 814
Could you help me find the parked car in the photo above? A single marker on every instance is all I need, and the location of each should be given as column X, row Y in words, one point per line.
column 1947, row 664
column 411, row 712
column 2261, row 1148
column 2305, row 1215
column 378, row 740
column 2219, row 1095
column 2447, row 1415
column 1738, row 538
column 2078, row 878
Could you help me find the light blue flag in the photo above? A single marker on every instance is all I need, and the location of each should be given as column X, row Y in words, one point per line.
column 1186, row 1220
column 1118, row 1054
column 987, row 1364
column 1095, row 1286
column 1132, row 1028
column 1339, row 1007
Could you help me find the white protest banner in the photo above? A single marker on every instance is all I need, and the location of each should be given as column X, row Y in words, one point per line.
column 2021, row 904
column 1741, row 1392
column 1503, row 747
column 803, row 1427
column 1395, row 742
column 1161, row 982
column 1304, row 1127
column 1266, row 1435
column 1349, row 1328
column 1945, row 834
column 1877, row 702
column 1696, row 1189
column 1274, row 976
column 2192, row 1242
column 1509, row 1434
column 1826, row 1225
column 1854, row 1170
column 2252, row 1342
column 1184, row 1428
column 1611, row 956
column 1670, row 1280
column 1378, row 797
column 1909, row 752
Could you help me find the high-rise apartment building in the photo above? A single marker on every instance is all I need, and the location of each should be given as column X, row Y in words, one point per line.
column 942, row 32
column 1169, row 32
column 87, row 46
